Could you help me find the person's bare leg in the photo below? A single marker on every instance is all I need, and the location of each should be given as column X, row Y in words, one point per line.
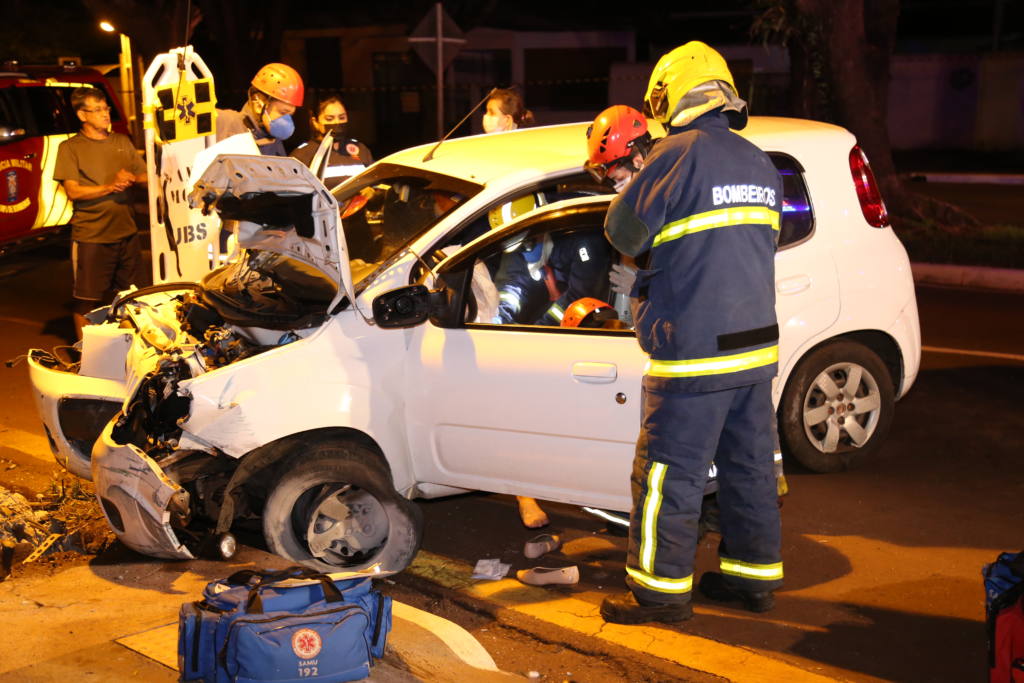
column 530, row 512
column 80, row 322
column 78, row 311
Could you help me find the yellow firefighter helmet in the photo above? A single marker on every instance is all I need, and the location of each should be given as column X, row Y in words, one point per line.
column 677, row 73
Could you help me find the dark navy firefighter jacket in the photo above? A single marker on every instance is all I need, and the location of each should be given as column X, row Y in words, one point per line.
column 707, row 206
column 579, row 264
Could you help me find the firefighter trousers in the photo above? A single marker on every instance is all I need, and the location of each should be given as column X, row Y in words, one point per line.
column 681, row 434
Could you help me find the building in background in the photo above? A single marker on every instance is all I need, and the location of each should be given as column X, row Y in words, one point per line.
column 389, row 91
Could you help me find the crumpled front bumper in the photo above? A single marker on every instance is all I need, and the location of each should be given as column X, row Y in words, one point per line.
column 68, row 405
column 138, row 499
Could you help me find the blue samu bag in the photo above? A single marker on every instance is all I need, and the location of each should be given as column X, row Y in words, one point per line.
column 290, row 625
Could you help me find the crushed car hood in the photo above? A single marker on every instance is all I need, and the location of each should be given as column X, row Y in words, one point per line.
column 277, row 205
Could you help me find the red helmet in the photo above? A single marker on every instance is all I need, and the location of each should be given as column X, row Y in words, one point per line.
column 281, row 82
column 614, row 137
column 588, row 312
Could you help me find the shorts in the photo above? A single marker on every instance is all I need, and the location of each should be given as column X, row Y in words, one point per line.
column 100, row 267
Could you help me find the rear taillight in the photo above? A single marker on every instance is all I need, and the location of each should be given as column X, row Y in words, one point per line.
column 871, row 203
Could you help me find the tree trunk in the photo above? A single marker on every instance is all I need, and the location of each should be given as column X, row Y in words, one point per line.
column 857, row 37
column 248, row 36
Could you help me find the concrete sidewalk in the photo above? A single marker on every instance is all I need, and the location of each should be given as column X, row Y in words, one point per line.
column 115, row 619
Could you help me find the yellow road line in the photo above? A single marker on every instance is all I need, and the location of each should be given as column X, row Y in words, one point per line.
column 159, row 644
column 731, row 661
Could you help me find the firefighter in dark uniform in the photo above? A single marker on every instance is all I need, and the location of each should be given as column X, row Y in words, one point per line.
column 547, row 274
column 704, row 211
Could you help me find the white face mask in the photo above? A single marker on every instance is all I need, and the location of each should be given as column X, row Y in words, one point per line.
column 622, row 182
column 492, row 123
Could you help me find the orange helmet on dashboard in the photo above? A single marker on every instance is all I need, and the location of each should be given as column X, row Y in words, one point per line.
column 613, row 138
column 588, row 312
column 281, row 82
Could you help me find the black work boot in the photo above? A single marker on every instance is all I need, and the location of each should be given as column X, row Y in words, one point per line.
column 625, row 609
column 712, row 585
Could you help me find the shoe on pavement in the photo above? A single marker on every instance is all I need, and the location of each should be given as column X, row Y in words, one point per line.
column 542, row 544
column 712, row 585
column 544, row 576
column 625, row 609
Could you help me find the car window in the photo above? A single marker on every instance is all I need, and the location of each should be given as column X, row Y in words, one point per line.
column 388, row 207
column 10, row 111
column 797, row 214
column 51, row 111
column 520, row 202
column 550, row 274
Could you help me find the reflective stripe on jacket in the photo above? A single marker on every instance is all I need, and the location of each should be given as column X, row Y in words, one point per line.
column 707, row 206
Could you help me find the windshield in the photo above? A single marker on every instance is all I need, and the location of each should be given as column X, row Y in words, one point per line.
column 389, row 206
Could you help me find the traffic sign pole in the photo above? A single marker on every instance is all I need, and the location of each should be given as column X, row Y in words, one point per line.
column 440, row 70
column 443, row 33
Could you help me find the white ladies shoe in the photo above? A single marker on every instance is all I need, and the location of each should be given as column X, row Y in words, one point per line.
column 544, row 576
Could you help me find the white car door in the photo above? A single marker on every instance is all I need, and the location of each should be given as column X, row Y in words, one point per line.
column 549, row 412
column 806, row 284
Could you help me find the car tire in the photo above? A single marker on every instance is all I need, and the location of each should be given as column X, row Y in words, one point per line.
column 815, row 421
column 335, row 509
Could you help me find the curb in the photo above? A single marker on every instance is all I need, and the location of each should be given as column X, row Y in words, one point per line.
column 548, row 614
column 970, row 178
column 460, row 644
column 974, row 277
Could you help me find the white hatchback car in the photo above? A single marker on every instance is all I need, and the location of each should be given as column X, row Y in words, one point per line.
column 325, row 378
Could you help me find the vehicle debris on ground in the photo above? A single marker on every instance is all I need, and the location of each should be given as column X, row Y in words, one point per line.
column 65, row 517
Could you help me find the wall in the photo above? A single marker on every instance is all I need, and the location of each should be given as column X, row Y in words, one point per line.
column 955, row 101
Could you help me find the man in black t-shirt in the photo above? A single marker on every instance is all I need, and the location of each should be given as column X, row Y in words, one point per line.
column 96, row 168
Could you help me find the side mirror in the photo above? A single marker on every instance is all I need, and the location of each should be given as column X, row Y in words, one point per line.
column 10, row 133
column 402, row 307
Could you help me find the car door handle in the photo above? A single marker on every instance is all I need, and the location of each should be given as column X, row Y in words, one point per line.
column 595, row 373
column 793, row 285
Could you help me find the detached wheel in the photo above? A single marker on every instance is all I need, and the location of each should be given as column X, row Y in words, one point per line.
column 837, row 407
column 335, row 509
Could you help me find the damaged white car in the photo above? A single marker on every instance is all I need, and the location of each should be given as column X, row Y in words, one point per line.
column 324, row 378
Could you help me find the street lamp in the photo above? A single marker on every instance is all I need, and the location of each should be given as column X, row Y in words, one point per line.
column 127, row 76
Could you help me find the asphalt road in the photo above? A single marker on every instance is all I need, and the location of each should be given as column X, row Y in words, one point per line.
column 882, row 564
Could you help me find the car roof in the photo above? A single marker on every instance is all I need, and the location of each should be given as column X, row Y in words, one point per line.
column 550, row 149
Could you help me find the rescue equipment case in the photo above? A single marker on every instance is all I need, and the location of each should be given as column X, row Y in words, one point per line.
column 1004, row 617
column 283, row 625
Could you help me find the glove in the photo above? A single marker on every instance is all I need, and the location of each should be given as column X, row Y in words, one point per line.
column 622, row 278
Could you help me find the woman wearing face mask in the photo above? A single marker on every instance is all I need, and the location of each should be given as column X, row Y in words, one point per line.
column 275, row 92
column 506, row 111
column 347, row 157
